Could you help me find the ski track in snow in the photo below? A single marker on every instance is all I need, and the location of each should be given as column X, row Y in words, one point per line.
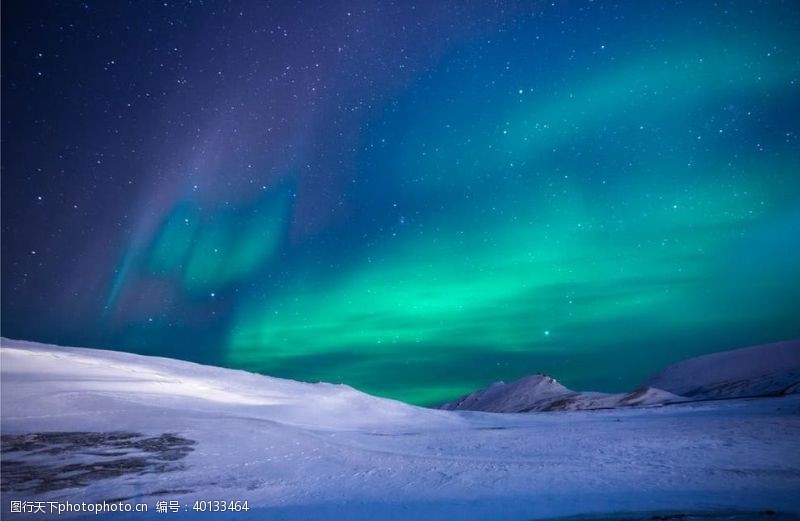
column 320, row 451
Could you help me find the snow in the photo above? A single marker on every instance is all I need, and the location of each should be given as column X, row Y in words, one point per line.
column 154, row 381
column 771, row 369
column 539, row 392
column 750, row 371
column 319, row 451
column 513, row 397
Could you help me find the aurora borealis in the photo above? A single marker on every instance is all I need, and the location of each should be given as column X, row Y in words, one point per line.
column 413, row 199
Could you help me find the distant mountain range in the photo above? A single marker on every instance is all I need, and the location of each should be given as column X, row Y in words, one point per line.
column 765, row 370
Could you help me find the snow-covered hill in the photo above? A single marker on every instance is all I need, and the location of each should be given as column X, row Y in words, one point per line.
column 43, row 377
column 766, row 370
column 84, row 425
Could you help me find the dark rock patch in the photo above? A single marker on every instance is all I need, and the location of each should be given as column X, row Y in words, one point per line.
column 44, row 461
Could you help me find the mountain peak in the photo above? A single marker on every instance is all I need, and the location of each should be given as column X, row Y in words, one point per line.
column 511, row 397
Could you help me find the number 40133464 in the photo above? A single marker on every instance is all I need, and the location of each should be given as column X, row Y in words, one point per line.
column 214, row 505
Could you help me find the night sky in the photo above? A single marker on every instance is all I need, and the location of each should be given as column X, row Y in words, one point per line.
column 415, row 199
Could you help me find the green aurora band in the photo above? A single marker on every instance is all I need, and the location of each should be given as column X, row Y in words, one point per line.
column 540, row 248
column 591, row 208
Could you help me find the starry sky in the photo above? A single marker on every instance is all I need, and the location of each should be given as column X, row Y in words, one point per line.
column 413, row 198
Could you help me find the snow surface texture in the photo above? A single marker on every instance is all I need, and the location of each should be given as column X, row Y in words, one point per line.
column 89, row 425
column 768, row 370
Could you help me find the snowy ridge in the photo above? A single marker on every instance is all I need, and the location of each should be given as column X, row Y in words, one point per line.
column 770, row 369
column 574, row 401
column 540, row 393
column 766, row 370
